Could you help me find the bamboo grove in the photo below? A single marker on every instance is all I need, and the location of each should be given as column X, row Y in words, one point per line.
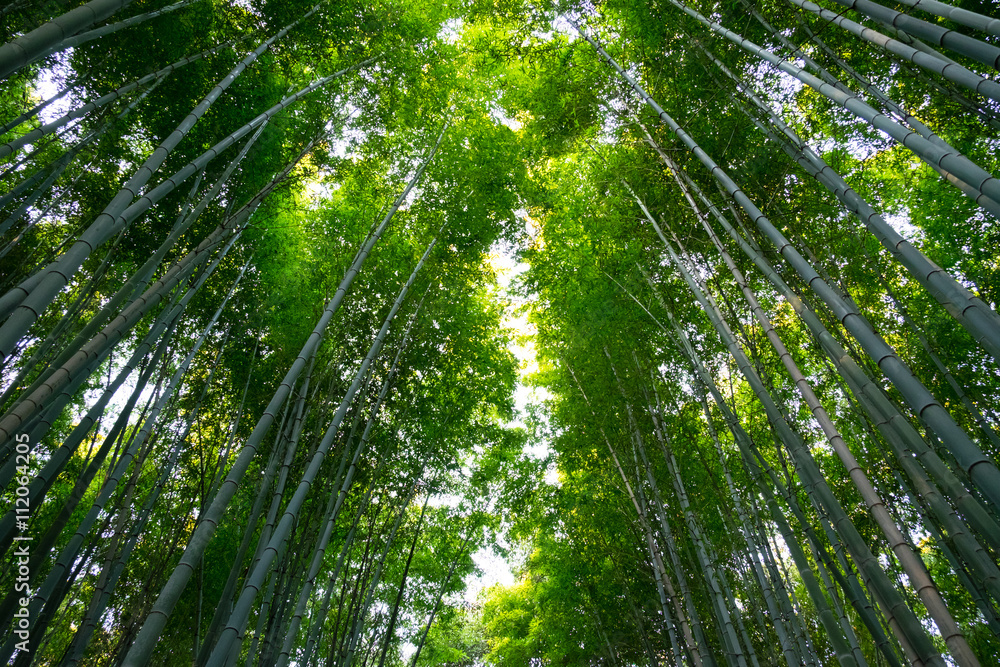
column 258, row 397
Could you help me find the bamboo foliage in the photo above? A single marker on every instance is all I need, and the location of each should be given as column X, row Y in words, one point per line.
column 258, row 388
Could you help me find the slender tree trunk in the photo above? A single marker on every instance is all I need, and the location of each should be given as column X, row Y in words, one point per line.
column 440, row 595
column 697, row 644
column 92, row 353
column 35, row 294
column 28, row 48
column 336, row 502
column 953, row 40
column 981, row 469
column 255, row 579
column 96, row 33
column 951, row 71
column 900, row 617
column 912, row 563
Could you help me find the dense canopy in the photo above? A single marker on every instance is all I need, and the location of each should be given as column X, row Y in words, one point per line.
column 265, row 265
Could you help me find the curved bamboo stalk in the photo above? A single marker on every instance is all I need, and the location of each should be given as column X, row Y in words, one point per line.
column 96, row 33
column 102, row 343
column 45, row 597
column 255, row 579
column 913, row 565
column 28, row 48
column 980, row 468
column 336, row 502
column 123, row 208
column 953, row 40
column 145, row 641
column 959, row 166
column 950, row 71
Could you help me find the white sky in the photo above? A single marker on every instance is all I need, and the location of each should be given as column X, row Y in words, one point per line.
column 495, row 569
